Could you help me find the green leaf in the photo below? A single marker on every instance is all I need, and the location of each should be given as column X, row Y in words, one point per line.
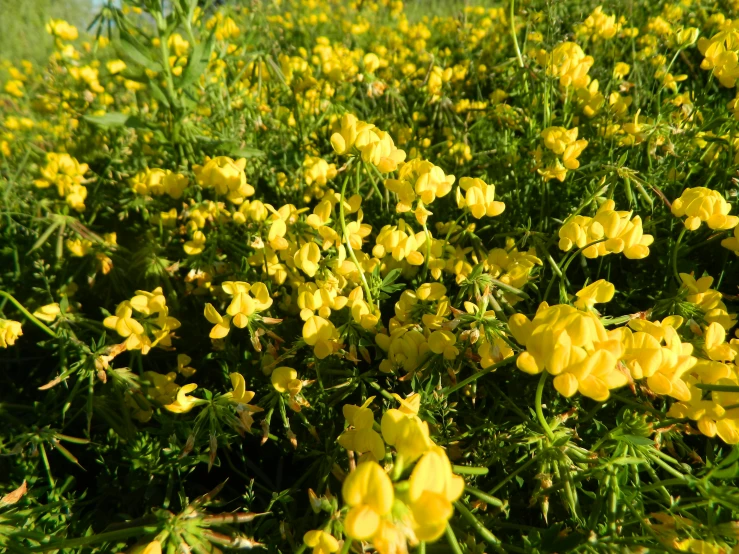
column 627, row 460
column 248, row 152
column 730, row 472
column 110, row 119
column 133, row 51
column 158, row 93
column 43, row 238
column 198, row 61
column 391, row 277
column 635, row 440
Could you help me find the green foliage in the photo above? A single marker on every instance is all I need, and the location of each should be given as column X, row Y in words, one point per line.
column 180, row 225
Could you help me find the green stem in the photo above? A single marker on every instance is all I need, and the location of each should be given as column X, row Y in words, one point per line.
column 111, row 536
column 476, row 376
column 483, row 531
column 485, row 497
column 719, row 388
column 452, row 540
column 512, row 17
column 467, row 470
column 451, row 228
column 382, row 391
column 537, row 405
column 674, row 255
column 28, row 314
column 509, row 288
column 365, row 284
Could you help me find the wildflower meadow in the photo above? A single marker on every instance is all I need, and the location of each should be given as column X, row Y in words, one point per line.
column 347, row 276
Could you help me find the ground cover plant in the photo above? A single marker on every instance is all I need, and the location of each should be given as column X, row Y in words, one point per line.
column 330, row 276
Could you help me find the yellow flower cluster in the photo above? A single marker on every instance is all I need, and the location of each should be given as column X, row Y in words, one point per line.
column 67, row 174
column 511, row 267
column 144, row 321
column 721, row 54
column 414, row 510
column 566, row 146
column 419, row 180
column 375, row 147
column 573, row 346
column 246, row 301
column 408, row 344
column 478, row 198
column 226, row 176
column 617, row 231
column 599, row 25
column 156, row 182
column 708, row 300
column 568, row 63
column 703, row 205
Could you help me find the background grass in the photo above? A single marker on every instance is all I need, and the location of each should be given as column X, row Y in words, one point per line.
column 22, row 32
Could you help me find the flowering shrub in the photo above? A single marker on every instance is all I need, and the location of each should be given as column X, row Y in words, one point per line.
column 346, row 277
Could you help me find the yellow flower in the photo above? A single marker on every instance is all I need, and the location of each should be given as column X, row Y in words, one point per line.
column 375, row 146
column 221, row 324
column 598, row 25
column 687, row 36
column 369, row 493
column 419, row 179
column 321, row 334
column 161, row 388
column 115, row 66
column 403, row 429
column 196, row 245
column 708, row 300
column 405, row 348
column 710, row 415
column 183, row 363
column 569, row 64
column 149, row 302
column 371, row 62
column 479, row 198
column 75, row 197
column 14, row 87
column 573, row 346
column 362, row 437
column 240, row 395
column 615, row 230
column 321, row 542
column 433, row 488
column 720, row 52
column 185, row 403
column 48, row 313
column 10, row 330
column 704, row 205
column 226, row 176
column 317, row 170
column 123, row 322
column 285, row 379
column 442, row 342
column 595, row 293
column 343, row 140
column 61, row 29
column 621, row 70
column 307, row 258
column 401, row 243
column 153, row 547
